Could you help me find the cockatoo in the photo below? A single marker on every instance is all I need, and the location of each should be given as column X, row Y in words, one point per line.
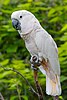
column 40, row 43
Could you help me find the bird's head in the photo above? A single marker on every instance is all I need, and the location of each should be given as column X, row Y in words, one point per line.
column 22, row 20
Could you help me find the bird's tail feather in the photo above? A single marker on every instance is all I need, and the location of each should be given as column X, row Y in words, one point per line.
column 53, row 88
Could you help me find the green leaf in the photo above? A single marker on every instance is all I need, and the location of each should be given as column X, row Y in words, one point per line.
column 52, row 11
column 30, row 0
column 11, row 48
column 25, row 97
column 64, row 28
column 6, row 2
column 63, row 78
column 4, row 62
column 55, row 19
column 64, row 37
column 61, row 98
column 13, row 97
column 4, row 74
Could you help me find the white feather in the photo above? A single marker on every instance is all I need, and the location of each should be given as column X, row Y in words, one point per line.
column 48, row 48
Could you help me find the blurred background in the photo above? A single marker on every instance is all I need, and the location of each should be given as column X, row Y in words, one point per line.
column 52, row 14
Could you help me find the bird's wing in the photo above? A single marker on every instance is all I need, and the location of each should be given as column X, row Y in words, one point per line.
column 48, row 49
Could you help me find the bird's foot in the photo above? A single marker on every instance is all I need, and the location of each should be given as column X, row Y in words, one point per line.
column 34, row 67
column 35, row 62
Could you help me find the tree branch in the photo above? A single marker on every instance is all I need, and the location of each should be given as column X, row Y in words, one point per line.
column 38, row 87
column 14, row 70
column 1, row 97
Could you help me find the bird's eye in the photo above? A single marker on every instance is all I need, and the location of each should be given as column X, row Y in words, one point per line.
column 20, row 16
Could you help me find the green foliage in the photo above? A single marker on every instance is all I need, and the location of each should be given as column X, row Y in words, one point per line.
column 52, row 15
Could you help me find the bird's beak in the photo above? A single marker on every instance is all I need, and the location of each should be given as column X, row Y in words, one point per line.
column 16, row 24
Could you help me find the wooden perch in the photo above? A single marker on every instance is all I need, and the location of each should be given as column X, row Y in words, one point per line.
column 38, row 87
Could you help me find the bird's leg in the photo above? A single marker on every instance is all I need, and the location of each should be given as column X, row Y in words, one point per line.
column 56, row 97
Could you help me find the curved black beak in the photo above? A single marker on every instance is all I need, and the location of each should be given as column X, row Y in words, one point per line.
column 16, row 24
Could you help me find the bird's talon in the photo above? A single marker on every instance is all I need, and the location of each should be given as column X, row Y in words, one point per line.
column 35, row 60
column 33, row 67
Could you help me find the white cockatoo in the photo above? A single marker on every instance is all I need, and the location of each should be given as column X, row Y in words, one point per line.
column 40, row 43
